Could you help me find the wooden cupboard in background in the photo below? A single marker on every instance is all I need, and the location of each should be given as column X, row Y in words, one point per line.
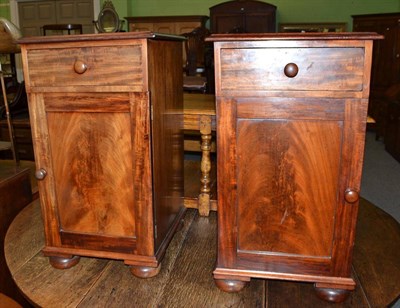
column 243, row 16
column 106, row 115
column 385, row 63
column 166, row 24
column 33, row 15
column 291, row 121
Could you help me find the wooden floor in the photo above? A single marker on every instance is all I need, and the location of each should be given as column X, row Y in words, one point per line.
column 185, row 279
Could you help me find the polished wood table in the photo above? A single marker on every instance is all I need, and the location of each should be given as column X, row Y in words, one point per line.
column 185, row 279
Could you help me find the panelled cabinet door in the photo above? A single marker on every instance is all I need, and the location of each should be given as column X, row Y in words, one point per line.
column 290, row 185
column 92, row 183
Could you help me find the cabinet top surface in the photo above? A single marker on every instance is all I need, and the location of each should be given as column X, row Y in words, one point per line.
column 98, row 37
column 294, row 36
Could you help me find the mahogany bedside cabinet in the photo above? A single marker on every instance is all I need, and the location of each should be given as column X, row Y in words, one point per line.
column 106, row 113
column 291, row 119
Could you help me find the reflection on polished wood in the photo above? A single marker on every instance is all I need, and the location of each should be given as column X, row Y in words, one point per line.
column 185, row 279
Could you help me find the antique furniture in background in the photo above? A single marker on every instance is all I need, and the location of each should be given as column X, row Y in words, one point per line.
column 199, row 119
column 166, row 24
column 108, row 20
column 243, row 16
column 9, row 34
column 108, row 144
column 60, row 29
column 392, row 121
column 22, row 135
column 291, row 118
column 197, row 75
column 313, row 27
column 15, row 194
column 34, row 14
column 385, row 63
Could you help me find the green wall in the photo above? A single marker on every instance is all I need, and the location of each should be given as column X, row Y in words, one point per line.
column 288, row 10
column 4, row 9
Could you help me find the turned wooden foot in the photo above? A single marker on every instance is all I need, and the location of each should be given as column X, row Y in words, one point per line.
column 230, row 286
column 145, row 271
column 332, row 295
column 63, row 263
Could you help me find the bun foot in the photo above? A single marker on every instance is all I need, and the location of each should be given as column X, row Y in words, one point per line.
column 332, row 295
column 63, row 263
column 230, row 286
column 145, row 271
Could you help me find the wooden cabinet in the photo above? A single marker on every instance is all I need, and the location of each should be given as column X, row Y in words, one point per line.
column 392, row 136
column 106, row 116
column 291, row 119
column 166, row 24
column 386, row 61
column 33, row 15
column 243, row 16
column 23, row 138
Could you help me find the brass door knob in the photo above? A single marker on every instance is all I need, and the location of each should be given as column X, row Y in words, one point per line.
column 40, row 174
column 351, row 196
column 80, row 67
column 291, row 70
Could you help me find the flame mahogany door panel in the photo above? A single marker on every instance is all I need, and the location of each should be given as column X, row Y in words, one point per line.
column 291, row 117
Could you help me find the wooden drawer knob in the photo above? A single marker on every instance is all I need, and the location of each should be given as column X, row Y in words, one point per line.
column 351, row 196
column 80, row 67
column 40, row 174
column 291, row 70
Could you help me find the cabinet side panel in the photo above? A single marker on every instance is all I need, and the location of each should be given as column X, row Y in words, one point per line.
column 166, row 87
column 288, row 172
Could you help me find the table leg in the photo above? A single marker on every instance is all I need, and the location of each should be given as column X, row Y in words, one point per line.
column 204, row 196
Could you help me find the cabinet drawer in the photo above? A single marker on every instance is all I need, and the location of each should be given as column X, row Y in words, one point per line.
column 86, row 66
column 319, row 69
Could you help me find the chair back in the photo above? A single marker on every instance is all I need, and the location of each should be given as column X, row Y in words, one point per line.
column 195, row 48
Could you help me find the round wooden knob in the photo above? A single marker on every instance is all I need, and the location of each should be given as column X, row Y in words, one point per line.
column 291, row 70
column 80, row 67
column 351, row 196
column 40, row 174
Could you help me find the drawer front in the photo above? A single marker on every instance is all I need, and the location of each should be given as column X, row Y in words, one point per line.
column 318, row 69
column 86, row 66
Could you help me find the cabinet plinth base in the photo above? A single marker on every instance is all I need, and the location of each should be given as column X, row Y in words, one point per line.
column 332, row 295
column 230, row 285
column 145, row 271
column 63, row 262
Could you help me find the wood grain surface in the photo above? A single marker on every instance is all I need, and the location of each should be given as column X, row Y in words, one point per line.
column 185, row 279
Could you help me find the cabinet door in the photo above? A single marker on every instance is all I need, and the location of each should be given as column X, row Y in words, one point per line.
column 228, row 23
column 33, row 15
column 96, row 155
column 282, row 178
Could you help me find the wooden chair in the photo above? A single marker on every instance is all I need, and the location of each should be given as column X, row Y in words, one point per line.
column 195, row 69
column 9, row 34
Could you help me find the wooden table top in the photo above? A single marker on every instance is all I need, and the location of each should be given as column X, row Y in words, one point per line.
column 195, row 106
column 185, row 279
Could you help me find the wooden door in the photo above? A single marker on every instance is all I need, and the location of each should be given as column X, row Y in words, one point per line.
column 283, row 180
column 92, row 147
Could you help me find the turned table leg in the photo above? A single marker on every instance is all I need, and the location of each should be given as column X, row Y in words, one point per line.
column 204, row 196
